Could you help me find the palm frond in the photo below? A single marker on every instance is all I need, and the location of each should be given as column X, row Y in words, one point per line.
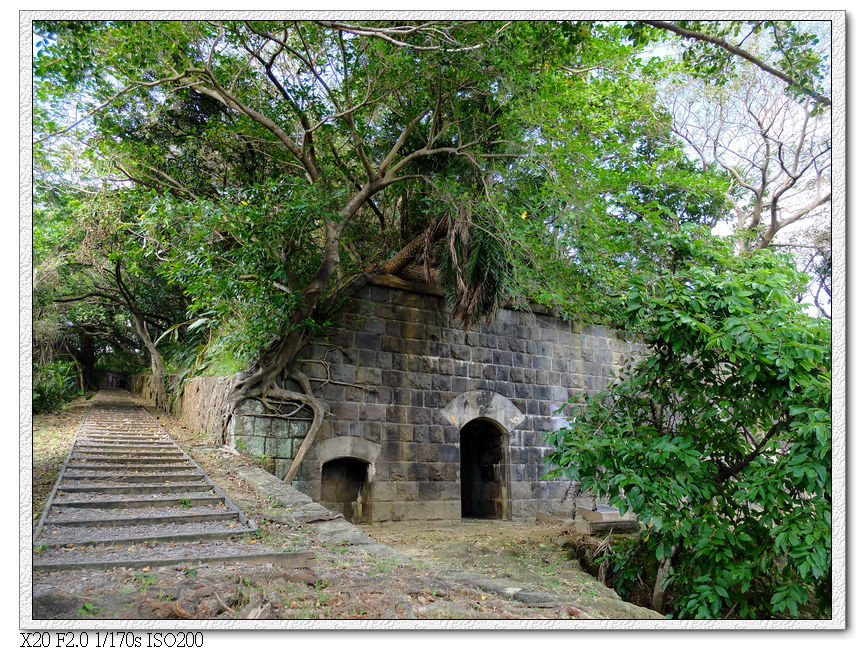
column 474, row 270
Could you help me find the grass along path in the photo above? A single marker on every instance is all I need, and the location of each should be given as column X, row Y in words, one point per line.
column 53, row 435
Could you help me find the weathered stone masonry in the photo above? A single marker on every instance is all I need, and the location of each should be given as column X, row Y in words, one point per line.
column 401, row 380
column 427, row 420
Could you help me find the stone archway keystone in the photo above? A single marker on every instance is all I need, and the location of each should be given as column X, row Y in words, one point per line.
column 347, row 447
column 482, row 404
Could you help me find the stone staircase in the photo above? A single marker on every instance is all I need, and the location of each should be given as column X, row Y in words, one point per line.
column 129, row 496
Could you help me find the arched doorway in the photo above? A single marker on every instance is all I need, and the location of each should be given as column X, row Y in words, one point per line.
column 344, row 484
column 484, row 470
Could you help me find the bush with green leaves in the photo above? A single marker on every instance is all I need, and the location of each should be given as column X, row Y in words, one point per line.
column 54, row 384
column 718, row 437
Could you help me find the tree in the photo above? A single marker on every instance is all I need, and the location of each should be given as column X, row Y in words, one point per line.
column 287, row 158
column 753, row 109
column 777, row 154
column 94, row 286
column 719, row 437
column 802, row 69
column 131, row 290
column 349, row 114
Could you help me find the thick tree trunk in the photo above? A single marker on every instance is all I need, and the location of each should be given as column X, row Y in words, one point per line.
column 157, row 366
column 282, row 354
column 274, row 362
column 86, row 358
column 409, row 252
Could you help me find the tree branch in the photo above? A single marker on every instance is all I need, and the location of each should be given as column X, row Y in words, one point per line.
column 719, row 42
column 383, row 34
column 727, row 472
column 108, row 102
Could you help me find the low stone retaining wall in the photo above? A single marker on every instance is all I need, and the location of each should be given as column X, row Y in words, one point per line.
column 143, row 385
column 199, row 403
column 275, row 441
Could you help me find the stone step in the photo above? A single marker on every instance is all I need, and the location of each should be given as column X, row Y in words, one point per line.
column 136, row 478
column 123, row 435
column 129, row 496
column 141, row 435
column 116, row 450
column 130, row 467
column 122, row 453
column 138, row 432
column 87, row 444
column 138, row 521
column 57, row 560
column 135, row 434
column 127, row 460
column 141, row 503
column 134, row 488
column 123, row 441
column 132, row 535
column 143, row 452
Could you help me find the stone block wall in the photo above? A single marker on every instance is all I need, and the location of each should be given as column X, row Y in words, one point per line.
column 399, row 379
column 274, row 441
column 395, row 363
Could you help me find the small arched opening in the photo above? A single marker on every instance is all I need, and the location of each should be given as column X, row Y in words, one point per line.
column 484, row 470
column 344, row 487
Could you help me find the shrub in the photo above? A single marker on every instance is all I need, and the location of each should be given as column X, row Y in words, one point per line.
column 719, row 438
column 54, row 384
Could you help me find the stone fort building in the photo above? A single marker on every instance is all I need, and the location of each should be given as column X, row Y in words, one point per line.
column 426, row 420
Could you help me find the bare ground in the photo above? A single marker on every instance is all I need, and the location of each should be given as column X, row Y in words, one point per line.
column 528, row 554
column 53, row 435
column 444, row 580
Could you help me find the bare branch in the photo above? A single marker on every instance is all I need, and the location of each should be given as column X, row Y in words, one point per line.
column 400, row 141
column 224, row 96
column 129, row 88
column 714, row 40
column 420, row 153
column 384, row 34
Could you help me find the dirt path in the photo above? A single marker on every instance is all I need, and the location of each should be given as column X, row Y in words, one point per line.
column 529, row 553
column 527, row 561
column 444, row 579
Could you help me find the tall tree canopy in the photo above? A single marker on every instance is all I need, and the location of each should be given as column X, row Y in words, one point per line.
column 770, row 134
column 284, row 158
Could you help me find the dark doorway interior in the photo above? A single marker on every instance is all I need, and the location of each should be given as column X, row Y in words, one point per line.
column 343, row 488
column 483, row 452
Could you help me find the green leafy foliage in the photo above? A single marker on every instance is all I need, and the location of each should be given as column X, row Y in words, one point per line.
column 474, row 270
column 718, row 438
column 54, row 384
column 789, row 47
column 241, row 259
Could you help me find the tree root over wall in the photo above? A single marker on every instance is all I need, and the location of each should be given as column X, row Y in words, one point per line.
column 263, row 385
